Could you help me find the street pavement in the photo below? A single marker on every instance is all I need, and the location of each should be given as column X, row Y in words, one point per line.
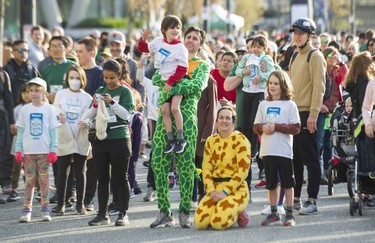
column 332, row 223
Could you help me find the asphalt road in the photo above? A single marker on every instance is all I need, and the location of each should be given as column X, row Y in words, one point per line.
column 333, row 223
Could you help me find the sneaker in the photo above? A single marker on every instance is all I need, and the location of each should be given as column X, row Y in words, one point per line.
column 179, row 146
column 132, row 194
column 172, row 180
column 267, row 210
column 261, row 184
column 183, row 218
column 149, row 144
column 169, row 148
column 137, row 189
column 38, row 197
column 122, row 220
column 150, row 195
column 309, row 208
column 289, row 220
column 243, row 219
column 271, row 220
column 163, row 220
column 2, row 200
column 90, row 206
column 53, row 199
column 59, row 210
column 146, row 163
column 69, row 206
column 194, row 205
column 7, row 189
column 113, row 209
column 26, row 216
column 44, row 214
column 100, row 220
column 13, row 197
column 297, row 205
column 143, row 155
column 369, row 202
column 81, row 210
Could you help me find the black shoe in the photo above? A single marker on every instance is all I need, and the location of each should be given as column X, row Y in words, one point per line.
column 169, row 148
column 369, row 202
column 122, row 220
column 137, row 189
column 58, row 210
column 179, row 146
column 53, row 199
column 100, row 220
column 113, row 209
column 13, row 197
column 81, row 210
column 146, row 163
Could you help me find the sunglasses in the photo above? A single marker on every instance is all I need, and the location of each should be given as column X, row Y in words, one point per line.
column 331, row 55
column 323, row 41
column 22, row 50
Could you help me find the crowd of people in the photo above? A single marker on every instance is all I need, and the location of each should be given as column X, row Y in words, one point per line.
column 210, row 107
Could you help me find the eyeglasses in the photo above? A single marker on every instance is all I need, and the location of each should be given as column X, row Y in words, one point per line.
column 57, row 47
column 324, row 41
column 22, row 50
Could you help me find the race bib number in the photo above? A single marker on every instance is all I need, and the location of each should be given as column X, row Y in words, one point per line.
column 36, row 124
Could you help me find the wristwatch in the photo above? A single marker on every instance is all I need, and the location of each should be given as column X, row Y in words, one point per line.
column 112, row 102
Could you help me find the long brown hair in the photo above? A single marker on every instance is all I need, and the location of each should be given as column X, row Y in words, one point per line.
column 285, row 85
column 359, row 67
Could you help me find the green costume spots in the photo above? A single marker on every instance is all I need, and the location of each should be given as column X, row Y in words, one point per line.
column 191, row 90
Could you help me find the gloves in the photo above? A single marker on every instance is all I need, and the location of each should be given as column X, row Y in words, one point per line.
column 19, row 158
column 52, row 157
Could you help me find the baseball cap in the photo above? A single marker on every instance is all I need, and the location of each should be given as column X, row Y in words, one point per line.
column 38, row 81
column 116, row 36
column 107, row 52
column 241, row 49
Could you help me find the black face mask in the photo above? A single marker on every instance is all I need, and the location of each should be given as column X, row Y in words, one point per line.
column 104, row 43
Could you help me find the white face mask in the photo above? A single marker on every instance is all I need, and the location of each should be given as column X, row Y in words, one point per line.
column 75, row 84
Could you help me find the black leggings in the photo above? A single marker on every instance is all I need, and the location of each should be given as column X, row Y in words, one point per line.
column 64, row 165
column 113, row 153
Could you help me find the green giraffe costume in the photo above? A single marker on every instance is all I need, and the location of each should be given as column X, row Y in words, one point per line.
column 191, row 90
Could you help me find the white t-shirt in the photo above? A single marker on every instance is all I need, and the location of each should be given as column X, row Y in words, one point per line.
column 73, row 105
column 168, row 57
column 278, row 112
column 37, row 122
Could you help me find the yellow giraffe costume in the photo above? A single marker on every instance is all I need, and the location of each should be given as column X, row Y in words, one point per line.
column 226, row 164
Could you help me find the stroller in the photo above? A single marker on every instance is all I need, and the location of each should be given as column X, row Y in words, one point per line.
column 344, row 155
column 364, row 176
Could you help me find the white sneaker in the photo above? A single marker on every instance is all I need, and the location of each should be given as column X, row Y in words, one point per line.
column 194, row 205
column 267, row 210
column 26, row 217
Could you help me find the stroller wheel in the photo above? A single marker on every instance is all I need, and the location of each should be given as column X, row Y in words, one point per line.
column 330, row 182
column 360, row 207
column 350, row 183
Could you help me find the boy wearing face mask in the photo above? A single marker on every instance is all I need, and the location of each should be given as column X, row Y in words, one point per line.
column 73, row 145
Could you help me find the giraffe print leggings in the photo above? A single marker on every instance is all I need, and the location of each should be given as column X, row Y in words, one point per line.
column 223, row 214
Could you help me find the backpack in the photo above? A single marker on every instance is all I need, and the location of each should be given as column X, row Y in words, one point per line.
column 328, row 91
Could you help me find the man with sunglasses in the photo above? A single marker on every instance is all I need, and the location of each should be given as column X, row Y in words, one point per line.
column 19, row 68
column 20, row 71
